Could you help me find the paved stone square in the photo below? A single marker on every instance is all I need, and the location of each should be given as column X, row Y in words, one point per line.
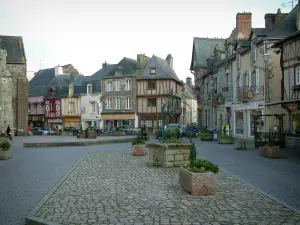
column 117, row 188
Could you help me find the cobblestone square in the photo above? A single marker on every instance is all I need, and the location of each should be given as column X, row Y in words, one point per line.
column 117, row 188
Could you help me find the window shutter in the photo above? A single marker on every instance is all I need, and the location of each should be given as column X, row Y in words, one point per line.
column 249, row 80
column 257, row 81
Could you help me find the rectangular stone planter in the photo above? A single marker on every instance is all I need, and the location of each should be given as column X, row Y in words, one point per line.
column 139, row 150
column 270, row 151
column 5, row 154
column 169, row 155
column 91, row 134
column 200, row 184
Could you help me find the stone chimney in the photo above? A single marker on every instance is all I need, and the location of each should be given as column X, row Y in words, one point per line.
column 273, row 19
column 141, row 60
column 58, row 70
column 189, row 81
column 104, row 65
column 243, row 25
column 170, row 60
column 71, row 90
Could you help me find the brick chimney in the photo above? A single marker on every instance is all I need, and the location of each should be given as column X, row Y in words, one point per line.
column 273, row 19
column 243, row 25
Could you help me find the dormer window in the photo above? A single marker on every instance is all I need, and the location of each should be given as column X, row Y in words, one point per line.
column 118, row 73
column 152, row 70
column 89, row 89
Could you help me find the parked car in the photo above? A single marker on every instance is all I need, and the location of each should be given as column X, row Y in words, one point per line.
column 129, row 129
column 39, row 131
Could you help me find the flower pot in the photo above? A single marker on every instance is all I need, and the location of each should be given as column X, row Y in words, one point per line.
column 206, row 137
column 200, row 184
column 139, row 150
column 270, row 151
column 91, row 134
column 240, row 144
column 5, row 154
column 225, row 140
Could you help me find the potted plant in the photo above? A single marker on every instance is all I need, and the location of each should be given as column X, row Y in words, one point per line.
column 139, row 147
column 90, row 133
column 119, row 132
column 241, row 144
column 198, row 177
column 206, row 135
column 225, row 139
column 270, row 150
column 5, row 149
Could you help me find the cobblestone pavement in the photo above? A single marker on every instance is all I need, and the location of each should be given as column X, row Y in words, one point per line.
column 279, row 177
column 117, row 188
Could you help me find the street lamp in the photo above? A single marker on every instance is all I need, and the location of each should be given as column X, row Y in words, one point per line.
column 266, row 89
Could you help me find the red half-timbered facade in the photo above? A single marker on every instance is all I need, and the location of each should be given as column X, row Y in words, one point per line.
column 53, row 111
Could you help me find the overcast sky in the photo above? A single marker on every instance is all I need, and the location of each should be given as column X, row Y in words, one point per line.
column 90, row 32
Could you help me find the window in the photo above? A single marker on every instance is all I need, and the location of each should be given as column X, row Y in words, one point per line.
column 297, row 78
column 118, row 73
column 257, row 81
column 151, row 84
column 109, row 86
column 238, row 61
column 253, row 50
column 152, row 102
column 128, row 103
column 148, row 123
column 152, row 71
column 227, row 80
column 89, row 88
column 216, row 85
column 118, row 103
column 239, row 122
column 71, row 107
column 128, row 85
column 118, row 85
column 93, row 107
column 108, row 103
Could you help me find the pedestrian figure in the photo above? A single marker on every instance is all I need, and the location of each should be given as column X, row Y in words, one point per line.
column 8, row 132
column 144, row 132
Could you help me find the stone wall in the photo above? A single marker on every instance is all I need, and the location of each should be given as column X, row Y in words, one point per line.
column 19, row 96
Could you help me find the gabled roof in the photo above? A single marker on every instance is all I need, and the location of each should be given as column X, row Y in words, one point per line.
column 14, row 47
column 189, row 94
column 38, row 84
column 126, row 65
column 168, row 71
column 103, row 72
column 202, row 50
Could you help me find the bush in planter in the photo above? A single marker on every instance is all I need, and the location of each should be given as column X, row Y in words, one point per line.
column 138, row 147
column 241, row 144
column 225, row 139
column 206, row 136
column 198, row 177
column 5, row 146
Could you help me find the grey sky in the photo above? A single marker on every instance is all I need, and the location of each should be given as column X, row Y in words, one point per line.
column 90, row 32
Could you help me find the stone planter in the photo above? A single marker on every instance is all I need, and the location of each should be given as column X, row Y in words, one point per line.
column 169, row 155
column 91, row 134
column 5, row 153
column 120, row 133
column 225, row 140
column 200, row 184
column 241, row 145
column 206, row 137
column 139, row 150
column 270, row 151
column 81, row 135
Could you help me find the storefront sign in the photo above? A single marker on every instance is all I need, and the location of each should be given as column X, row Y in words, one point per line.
column 250, row 94
column 118, row 116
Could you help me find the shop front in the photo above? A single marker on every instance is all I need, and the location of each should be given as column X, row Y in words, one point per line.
column 72, row 121
column 36, row 121
column 54, row 124
column 243, row 122
column 115, row 120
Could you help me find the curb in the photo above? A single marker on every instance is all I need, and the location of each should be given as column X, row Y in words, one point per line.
column 263, row 193
column 31, row 219
column 81, row 143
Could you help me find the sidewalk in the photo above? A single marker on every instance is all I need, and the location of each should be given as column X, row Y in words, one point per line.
column 117, row 188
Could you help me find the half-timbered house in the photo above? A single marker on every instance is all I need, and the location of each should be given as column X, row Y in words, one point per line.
column 155, row 79
column 53, row 109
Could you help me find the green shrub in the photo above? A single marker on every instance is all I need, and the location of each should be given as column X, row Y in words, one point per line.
column 206, row 136
column 227, row 137
column 190, row 134
column 118, row 129
column 176, row 141
column 5, row 146
column 206, row 131
column 193, row 152
column 202, row 166
column 172, row 134
column 138, row 140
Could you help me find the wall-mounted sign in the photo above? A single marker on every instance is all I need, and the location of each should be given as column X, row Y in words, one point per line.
column 250, row 94
column 208, row 96
column 83, row 109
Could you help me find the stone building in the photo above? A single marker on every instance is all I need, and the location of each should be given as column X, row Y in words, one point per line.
column 16, row 67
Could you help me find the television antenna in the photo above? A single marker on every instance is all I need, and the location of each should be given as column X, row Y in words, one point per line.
column 290, row 3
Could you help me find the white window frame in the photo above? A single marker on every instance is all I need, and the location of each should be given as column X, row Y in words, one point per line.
column 118, row 85
column 118, row 103
column 109, row 86
column 89, row 89
column 254, row 51
column 128, row 103
column 297, row 75
column 128, row 85
column 93, row 107
column 257, row 81
column 108, row 103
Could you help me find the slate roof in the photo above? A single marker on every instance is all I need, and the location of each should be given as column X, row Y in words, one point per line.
column 126, row 65
column 15, row 49
column 168, row 71
column 39, row 83
column 203, row 49
column 261, row 32
column 103, row 72
column 189, row 94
